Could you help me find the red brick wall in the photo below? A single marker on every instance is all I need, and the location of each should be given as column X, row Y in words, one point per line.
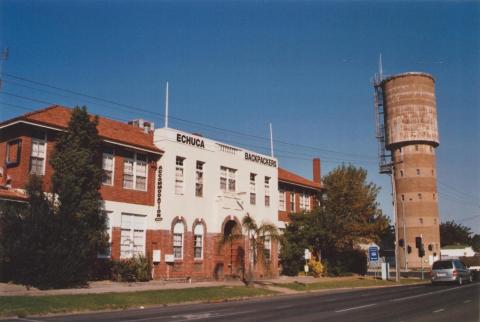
column 289, row 189
column 120, row 194
column 207, row 268
column 21, row 172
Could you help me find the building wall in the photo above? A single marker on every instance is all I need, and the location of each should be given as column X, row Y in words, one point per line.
column 214, row 208
column 290, row 189
column 20, row 173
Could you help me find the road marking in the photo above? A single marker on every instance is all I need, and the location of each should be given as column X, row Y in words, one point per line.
column 439, row 310
column 192, row 316
column 430, row 293
column 467, row 301
column 285, row 306
column 356, row 308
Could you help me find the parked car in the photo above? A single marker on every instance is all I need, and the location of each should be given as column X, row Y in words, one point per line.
column 451, row 270
column 473, row 264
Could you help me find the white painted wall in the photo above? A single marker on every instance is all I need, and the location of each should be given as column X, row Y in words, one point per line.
column 457, row 252
column 215, row 204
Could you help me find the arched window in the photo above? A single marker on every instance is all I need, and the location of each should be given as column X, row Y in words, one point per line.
column 178, row 231
column 198, row 233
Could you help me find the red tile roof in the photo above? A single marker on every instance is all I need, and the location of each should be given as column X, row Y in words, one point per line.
column 12, row 195
column 58, row 116
column 292, row 178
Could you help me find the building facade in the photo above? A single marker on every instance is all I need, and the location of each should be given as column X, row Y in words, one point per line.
column 298, row 194
column 170, row 195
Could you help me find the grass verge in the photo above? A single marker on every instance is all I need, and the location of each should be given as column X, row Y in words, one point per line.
column 345, row 283
column 33, row 305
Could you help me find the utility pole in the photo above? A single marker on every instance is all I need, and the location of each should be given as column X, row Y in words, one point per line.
column 394, row 196
column 166, row 106
column 271, row 140
column 404, row 237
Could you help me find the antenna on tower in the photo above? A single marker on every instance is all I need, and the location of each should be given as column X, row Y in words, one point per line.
column 380, row 67
column 166, row 106
column 271, row 140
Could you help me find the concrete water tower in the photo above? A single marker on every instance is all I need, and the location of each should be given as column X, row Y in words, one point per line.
column 407, row 129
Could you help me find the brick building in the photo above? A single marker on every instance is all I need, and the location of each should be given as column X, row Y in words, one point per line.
column 168, row 194
column 298, row 194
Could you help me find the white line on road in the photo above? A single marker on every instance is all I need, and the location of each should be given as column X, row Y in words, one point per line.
column 430, row 293
column 285, row 306
column 192, row 316
column 467, row 301
column 355, row 308
column 439, row 310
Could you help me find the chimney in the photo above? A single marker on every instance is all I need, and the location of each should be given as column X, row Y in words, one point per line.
column 316, row 171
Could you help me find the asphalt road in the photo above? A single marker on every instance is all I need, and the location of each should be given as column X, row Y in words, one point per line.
column 406, row 303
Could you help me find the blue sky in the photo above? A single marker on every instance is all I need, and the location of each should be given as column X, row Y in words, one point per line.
column 304, row 66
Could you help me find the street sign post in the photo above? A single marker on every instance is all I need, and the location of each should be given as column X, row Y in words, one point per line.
column 373, row 257
column 373, row 254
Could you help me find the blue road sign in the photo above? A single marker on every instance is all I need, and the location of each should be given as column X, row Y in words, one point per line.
column 373, row 254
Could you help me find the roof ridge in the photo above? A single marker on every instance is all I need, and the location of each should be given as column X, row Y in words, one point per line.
column 310, row 181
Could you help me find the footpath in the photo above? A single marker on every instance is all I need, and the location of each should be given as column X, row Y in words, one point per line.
column 8, row 289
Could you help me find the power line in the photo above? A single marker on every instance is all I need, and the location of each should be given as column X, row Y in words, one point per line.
column 324, row 159
column 184, row 120
column 454, row 190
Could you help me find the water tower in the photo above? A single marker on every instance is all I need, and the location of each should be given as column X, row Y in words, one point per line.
column 407, row 133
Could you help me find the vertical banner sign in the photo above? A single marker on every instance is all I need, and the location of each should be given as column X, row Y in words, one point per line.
column 159, row 193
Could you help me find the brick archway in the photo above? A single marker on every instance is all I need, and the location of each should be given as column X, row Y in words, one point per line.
column 233, row 250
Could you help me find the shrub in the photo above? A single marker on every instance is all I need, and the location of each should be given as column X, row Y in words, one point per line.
column 136, row 269
column 348, row 261
column 102, row 270
column 316, row 267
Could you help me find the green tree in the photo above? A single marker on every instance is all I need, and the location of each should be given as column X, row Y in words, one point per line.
column 81, row 229
column 349, row 215
column 352, row 204
column 476, row 242
column 452, row 233
column 27, row 236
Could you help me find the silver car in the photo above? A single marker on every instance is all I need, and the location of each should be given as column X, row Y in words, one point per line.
column 451, row 270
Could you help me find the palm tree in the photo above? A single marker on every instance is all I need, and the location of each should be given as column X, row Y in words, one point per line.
column 258, row 235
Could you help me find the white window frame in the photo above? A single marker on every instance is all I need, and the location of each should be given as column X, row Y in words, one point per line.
column 199, row 178
column 178, row 230
column 292, row 201
column 179, row 180
column 198, row 231
column 267, row 191
column 229, row 175
column 281, row 200
column 305, row 202
column 135, row 164
column 44, row 142
column 112, row 155
column 129, row 226
column 253, row 195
